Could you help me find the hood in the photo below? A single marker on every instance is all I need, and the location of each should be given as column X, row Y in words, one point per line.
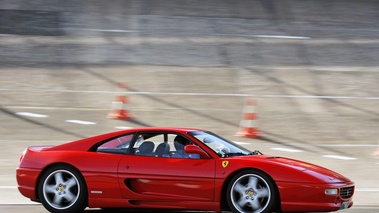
column 321, row 173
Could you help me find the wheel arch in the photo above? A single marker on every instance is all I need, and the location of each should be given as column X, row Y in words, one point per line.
column 53, row 165
column 223, row 199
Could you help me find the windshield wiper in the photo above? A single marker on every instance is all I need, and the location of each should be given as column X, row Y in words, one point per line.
column 234, row 154
column 231, row 154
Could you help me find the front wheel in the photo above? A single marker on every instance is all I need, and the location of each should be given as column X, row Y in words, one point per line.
column 61, row 189
column 252, row 191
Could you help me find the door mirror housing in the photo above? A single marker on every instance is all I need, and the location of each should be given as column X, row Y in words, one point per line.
column 193, row 149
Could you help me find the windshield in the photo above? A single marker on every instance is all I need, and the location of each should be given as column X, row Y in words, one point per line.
column 221, row 146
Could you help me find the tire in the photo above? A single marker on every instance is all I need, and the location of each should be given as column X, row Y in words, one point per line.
column 62, row 189
column 252, row 191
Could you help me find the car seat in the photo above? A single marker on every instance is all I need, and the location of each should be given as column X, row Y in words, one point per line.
column 146, row 148
column 163, row 150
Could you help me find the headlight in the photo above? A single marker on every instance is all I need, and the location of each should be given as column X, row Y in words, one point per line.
column 331, row 191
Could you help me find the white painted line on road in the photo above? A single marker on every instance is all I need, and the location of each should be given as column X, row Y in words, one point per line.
column 58, row 108
column 349, row 145
column 287, row 150
column 8, row 187
column 255, row 95
column 216, row 34
column 213, row 94
column 264, row 36
column 28, row 141
column 339, row 157
column 29, row 114
column 282, row 36
column 81, row 122
column 110, row 30
column 241, row 143
column 367, row 190
column 205, row 39
column 123, row 127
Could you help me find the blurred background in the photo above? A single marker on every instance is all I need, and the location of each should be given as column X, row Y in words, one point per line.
column 311, row 65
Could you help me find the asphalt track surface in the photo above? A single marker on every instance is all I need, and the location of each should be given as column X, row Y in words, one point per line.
column 311, row 65
column 40, row 209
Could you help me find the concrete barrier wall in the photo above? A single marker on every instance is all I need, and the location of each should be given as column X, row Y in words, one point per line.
column 189, row 33
column 334, row 11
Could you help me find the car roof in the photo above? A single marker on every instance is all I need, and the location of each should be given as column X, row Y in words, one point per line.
column 86, row 143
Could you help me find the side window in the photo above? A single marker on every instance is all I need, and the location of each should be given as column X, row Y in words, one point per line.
column 116, row 145
column 162, row 145
column 147, row 144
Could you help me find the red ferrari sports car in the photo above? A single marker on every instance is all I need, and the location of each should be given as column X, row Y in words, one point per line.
column 175, row 168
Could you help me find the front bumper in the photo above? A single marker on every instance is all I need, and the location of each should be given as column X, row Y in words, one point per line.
column 300, row 197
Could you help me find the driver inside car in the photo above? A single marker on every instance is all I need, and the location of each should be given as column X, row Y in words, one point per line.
column 179, row 143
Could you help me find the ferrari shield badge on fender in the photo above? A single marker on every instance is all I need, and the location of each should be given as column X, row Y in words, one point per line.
column 225, row 163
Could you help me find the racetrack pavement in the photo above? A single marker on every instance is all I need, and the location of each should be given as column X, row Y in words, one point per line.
column 36, row 208
column 311, row 66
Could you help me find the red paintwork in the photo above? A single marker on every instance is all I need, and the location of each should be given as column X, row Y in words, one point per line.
column 172, row 183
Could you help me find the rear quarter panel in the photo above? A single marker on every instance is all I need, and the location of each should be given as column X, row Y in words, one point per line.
column 98, row 169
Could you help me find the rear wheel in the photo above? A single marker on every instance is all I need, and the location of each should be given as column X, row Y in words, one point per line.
column 62, row 189
column 252, row 191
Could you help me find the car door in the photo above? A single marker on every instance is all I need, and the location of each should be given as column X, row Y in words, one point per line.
column 150, row 176
column 168, row 178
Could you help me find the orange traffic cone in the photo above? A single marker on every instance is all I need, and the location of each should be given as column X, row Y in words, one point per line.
column 118, row 107
column 248, row 124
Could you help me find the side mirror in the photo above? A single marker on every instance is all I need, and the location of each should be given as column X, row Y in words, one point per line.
column 192, row 149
